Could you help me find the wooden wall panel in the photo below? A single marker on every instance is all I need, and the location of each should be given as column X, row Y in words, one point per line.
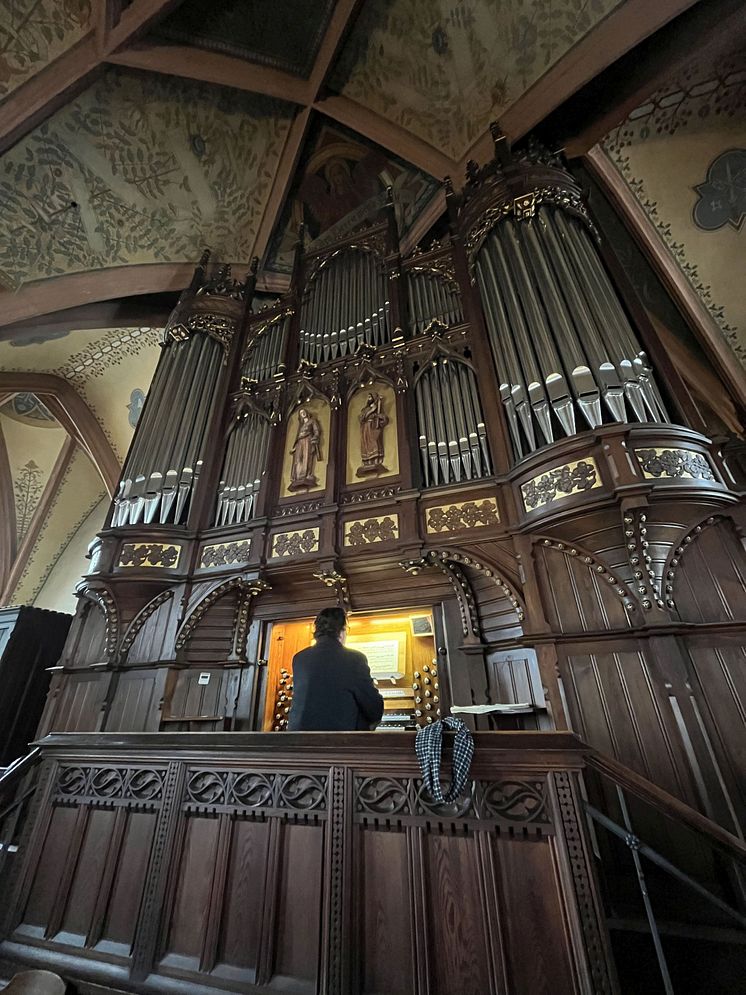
column 89, row 861
column 514, row 679
column 385, row 951
column 710, row 580
column 618, row 706
column 46, row 876
column 123, row 905
column 216, row 698
column 186, row 923
column 244, row 907
column 212, row 639
column 458, row 945
column 90, row 637
column 296, row 936
column 78, row 705
column 154, row 640
column 720, row 693
column 535, row 920
column 135, row 706
column 576, row 597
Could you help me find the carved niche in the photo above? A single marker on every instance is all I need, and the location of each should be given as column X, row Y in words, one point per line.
column 372, row 450
column 306, row 456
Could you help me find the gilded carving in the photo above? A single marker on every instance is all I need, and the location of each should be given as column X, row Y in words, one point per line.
column 660, row 462
column 295, row 543
column 560, row 483
column 225, row 554
column 463, row 515
column 367, row 530
column 150, row 554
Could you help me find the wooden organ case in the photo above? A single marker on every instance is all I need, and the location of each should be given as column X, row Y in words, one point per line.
column 479, row 428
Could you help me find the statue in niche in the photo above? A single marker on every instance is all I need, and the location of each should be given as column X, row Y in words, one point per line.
column 306, row 450
column 373, row 420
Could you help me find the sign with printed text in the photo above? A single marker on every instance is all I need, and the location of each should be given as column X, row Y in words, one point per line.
column 384, row 655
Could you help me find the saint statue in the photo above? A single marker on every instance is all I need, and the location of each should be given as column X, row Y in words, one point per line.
column 306, row 450
column 373, row 420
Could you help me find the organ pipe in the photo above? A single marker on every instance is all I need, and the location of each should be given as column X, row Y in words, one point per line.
column 432, row 298
column 566, row 355
column 345, row 304
column 450, row 424
column 166, row 456
column 265, row 353
column 243, row 469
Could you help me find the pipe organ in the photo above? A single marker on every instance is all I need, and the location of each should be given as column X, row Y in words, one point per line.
column 479, row 428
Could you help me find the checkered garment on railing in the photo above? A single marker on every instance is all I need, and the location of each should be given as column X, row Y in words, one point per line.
column 428, row 746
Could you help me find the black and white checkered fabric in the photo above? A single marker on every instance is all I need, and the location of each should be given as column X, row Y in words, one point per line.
column 428, row 746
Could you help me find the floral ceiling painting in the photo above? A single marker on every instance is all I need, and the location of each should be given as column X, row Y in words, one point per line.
column 139, row 169
column 683, row 155
column 445, row 70
column 34, row 33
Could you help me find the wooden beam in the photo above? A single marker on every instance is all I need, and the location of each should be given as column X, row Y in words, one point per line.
column 38, row 518
column 212, row 67
column 618, row 33
column 340, row 23
column 8, row 539
column 73, row 414
column 61, row 80
column 388, row 135
column 282, row 182
column 714, row 31
column 669, row 272
column 137, row 18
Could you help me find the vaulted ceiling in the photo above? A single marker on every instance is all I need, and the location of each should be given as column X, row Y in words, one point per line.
column 133, row 133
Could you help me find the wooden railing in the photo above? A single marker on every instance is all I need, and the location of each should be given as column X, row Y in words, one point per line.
column 307, row 863
column 317, row 863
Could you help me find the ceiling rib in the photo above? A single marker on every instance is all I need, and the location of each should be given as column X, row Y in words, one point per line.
column 212, row 67
column 21, row 559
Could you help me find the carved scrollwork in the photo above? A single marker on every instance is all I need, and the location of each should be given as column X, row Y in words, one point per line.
column 150, row 554
column 295, row 543
column 104, row 601
column 463, row 515
column 103, row 783
column 140, row 619
column 560, row 482
column 368, row 530
column 247, row 590
column 510, row 802
column 257, row 790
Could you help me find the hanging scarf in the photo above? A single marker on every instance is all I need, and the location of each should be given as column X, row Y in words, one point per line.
column 428, row 746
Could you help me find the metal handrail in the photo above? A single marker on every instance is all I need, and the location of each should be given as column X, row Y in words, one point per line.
column 19, row 767
column 671, row 808
column 667, row 804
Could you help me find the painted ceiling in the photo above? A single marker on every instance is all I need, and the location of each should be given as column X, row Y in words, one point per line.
column 138, row 169
column 286, row 36
column 444, row 70
column 55, row 485
column 683, row 155
column 147, row 161
column 33, row 33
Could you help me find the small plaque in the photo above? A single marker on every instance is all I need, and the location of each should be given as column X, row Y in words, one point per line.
column 203, row 679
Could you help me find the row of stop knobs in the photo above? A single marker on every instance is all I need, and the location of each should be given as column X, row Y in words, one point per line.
column 284, row 700
column 426, row 698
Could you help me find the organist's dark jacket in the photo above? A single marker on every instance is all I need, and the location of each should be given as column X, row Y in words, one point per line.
column 333, row 690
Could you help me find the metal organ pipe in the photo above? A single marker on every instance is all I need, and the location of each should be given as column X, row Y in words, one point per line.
column 432, row 297
column 164, row 462
column 264, row 357
column 346, row 304
column 450, row 424
column 560, row 339
column 244, row 466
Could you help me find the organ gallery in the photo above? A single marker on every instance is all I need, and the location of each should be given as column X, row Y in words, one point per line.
column 483, row 446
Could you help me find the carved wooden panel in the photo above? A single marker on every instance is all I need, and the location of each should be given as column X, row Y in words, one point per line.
column 577, row 595
column 212, row 639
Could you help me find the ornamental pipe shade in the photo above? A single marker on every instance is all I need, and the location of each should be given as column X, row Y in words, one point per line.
column 566, row 356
